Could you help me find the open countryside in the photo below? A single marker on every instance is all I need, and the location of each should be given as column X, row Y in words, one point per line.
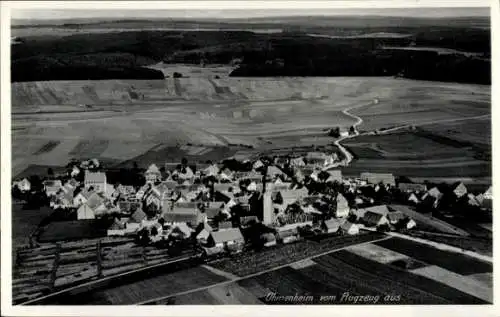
column 341, row 160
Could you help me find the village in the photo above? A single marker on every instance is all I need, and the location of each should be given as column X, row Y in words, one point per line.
column 214, row 210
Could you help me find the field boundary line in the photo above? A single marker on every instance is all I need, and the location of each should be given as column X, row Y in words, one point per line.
column 255, row 274
column 444, row 247
column 100, row 280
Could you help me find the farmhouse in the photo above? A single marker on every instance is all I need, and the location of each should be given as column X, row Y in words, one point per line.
column 413, row 198
column 460, row 190
column 152, row 174
column 258, row 164
column 349, row 228
column 97, row 180
column 211, row 170
column 81, row 197
column 380, row 209
column 335, row 176
column 341, row 206
column 297, row 162
column 24, row 185
column 225, row 238
column 52, row 187
column 274, row 172
column 372, row 219
column 377, row 178
column 287, row 235
column 330, row 226
column 85, row 212
column 178, row 214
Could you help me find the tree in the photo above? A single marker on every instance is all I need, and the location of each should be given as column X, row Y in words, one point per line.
column 184, row 162
column 278, row 199
column 335, row 132
column 177, row 75
column 50, row 172
column 352, row 130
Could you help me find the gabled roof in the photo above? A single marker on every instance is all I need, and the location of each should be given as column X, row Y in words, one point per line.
column 372, row 217
column 274, row 170
column 489, row 191
column 232, row 234
column 153, row 169
column 95, row 200
column 225, row 225
column 335, row 175
column 346, row 226
column 332, row 224
column 138, row 216
column 434, row 192
column 395, row 216
column 340, row 199
column 381, row 210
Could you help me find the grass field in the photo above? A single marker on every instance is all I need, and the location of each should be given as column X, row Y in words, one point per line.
column 130, row 117
column 25, row 221
column 353, row 272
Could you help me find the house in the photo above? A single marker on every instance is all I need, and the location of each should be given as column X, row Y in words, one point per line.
column 226, row 238
column 94, row 200
column 380, row 209
column 211, row 170
column 411, row 224
column 85, row 212
column 226, row 175
column 342, row 206
column 377, row 178
column 297, row 162
column 274, row 172
column 472, row 200
column 278, row 185
column 335, row 176
column 268, row 238
column 97, row 180
column 174, row 215
column 152, row 174
column 24, row 185
column 75, row 171
column 330, row 226
column 258, row 164
column 186, row 173
column 287, row 235
column 310, row 209
column 412, row 188
column 252, row 176
column 460, row 190
column 81, row 197
column 432, row 196
column 488, row 194
column 349, row 228
column 373, row 219
column 52, row 187
column 395, row 216
column 413, row 198
column 137, row 216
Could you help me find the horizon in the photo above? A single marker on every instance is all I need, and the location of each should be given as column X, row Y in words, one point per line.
column 228, row 14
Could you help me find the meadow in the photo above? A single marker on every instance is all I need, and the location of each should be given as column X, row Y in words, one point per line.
column 127, row 119
column 360, row 270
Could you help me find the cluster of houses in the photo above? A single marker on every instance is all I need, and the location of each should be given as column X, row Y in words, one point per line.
column 217, row 205
column 420, row 194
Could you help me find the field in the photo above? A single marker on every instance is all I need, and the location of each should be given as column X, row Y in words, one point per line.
column 25, row 221
column 338, row 277
column 132, row 119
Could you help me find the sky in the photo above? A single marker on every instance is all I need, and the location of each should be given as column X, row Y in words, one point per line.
column 45, row 13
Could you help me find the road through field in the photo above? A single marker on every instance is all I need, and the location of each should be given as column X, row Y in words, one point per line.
column 152, row 301
column 348, row 156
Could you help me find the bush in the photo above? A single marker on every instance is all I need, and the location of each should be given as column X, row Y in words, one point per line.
column 177, row 75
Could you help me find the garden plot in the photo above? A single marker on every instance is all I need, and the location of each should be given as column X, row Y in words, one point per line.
column 457, row 281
